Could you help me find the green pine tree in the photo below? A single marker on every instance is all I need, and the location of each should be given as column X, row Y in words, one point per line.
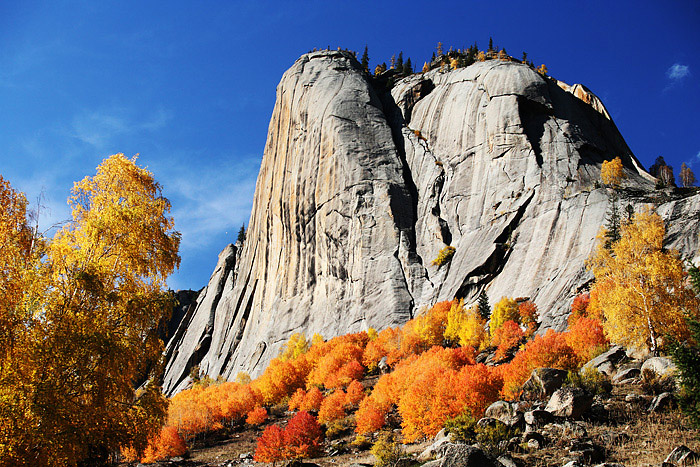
column 408, row 67
column 365, row 60
column 612, row 222
column 686, row 356
column 483, row 305
column 241, row 235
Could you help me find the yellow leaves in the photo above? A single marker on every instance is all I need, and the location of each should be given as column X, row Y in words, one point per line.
column 505, row 310
column 466, row 327
column 612, row 173
column 640, row 288
column 90, row 310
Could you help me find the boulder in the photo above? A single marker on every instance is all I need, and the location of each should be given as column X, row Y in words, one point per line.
column 607, row 361
column 505, row 412
column 534, row 440
column 569, row 402
column 661, row 366
column 542, row 383
column 491, row 423
column 585, row 450
column 464, row 455
column 440, row 443
column 538, row 417
column 383, row 367
column 662, row 402
column 682, row 455
column 626, row 376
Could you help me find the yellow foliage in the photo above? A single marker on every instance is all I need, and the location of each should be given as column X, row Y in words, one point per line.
column 505, row 310
column 640, row 288
column 467, row 328
column 90, row 309
column 296, row 346
column 611, row 172
column 444, row 256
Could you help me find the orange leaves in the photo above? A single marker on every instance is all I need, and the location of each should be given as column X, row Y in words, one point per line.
column 256, row 416
column 200, row 410
column 550, row 350
column 282, row 378
column 333, row 407
column 355, row 392
column 271, row 445
column 306, row 401
column 301, row 438
column 167, row 444
column 371, row 416
column 585, row 336
column 337, row 362
column 506, row 338
column 439, row 393
column 384, row 344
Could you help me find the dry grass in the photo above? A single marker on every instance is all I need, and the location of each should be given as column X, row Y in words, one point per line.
column 652, row 438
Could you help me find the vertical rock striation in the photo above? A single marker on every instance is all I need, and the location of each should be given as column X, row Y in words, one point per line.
column 359, row 189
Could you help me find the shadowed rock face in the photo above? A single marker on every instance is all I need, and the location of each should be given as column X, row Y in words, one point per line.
column 359, row 189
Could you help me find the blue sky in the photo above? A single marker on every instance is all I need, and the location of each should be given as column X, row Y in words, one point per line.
column 190, row 86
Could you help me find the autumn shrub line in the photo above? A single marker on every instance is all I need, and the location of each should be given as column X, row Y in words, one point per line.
column 435, row 377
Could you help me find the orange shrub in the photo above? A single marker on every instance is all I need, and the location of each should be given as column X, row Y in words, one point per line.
column 282, row 378
column 333, row 407
column 477, row 387
column 385, row 343
column 507, row 337
column 167, row 444
column 337, row 362
column 528, row 316
column 256, row 416
column 271, row 445
column 442, row 393
column 312, row 400
column 371, row 416
column 415, row 373
column 355, row 392
column 586, row 337
column 297, row 400
column 303, row 436
column 550, row 350
column 579, row 307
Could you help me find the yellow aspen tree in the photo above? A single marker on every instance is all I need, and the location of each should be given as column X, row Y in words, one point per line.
column 542, row 69
column 92, row 338
column 466, row 327
column 640, row 288
column 612, row 173
column 426, row 68
column 506, row 309
column 481, row 56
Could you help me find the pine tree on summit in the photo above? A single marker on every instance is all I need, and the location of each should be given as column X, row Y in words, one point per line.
column 365, row 60
column 241, row 235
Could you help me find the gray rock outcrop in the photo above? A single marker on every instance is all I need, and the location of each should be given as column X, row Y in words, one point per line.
column 360, row 188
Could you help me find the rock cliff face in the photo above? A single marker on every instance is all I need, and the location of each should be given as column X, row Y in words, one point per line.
column 360, row 188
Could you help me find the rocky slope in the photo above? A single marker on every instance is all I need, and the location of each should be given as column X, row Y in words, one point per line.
column 360, row 188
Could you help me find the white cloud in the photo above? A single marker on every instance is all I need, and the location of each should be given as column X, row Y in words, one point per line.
column 677, row 72
column 209, row 201
column 99, row 127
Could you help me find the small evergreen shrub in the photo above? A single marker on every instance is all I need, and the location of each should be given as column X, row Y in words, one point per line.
column 462, row 428
column 686, row 356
